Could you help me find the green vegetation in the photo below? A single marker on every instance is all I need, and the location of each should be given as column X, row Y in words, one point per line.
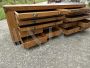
column 3, row 2
column 2, row 14
column 89, row 4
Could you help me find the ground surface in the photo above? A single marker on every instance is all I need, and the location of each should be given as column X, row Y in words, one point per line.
column 61, row 52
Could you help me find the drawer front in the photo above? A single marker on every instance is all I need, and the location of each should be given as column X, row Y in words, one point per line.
column 71, row 31
column 55, row 32
column 67, row 25
column 41, row 26
column 84, row 25
column 29, row 15
column 76, row 18
column 32, row 32
column 29, row 44
column 71, row 12
column 44, row 25
column 29, row 22
column 36, row 41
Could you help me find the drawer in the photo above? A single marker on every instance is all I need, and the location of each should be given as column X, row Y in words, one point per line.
column 51, row 24
column 36, row 27
column 76, row 18
column 69, row 31
column 44, row 25
column 71, row 12
column 59, row 23
column 26, row 28
column 40, row 26
column 30, row 32
column 43, row 20
column 84, row 23
column 37, row 40
column 53, row 33
column 29, row 15
column 69, row 24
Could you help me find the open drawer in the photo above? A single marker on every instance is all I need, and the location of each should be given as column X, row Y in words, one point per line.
column 69, row 24
column 34, row 40
column 84, row 23
column 71, row 12
column 51, row 24
column 40, row 26
column 30, row 32
column 28, row 15
column 53, row 32
column 42, row 20
column 76, row 18
column 71, row 30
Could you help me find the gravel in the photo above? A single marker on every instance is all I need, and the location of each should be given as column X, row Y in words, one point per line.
column 61, row 52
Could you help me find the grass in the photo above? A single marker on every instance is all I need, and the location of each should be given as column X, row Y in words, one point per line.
column 2, row 14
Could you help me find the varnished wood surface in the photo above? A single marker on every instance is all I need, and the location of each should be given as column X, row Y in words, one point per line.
column 43, row 6
column 71, row 31
column 71, row 12
column 41, row 26
column 38, row 17
column 36, row 14
column 44, row 20
column 72, row 19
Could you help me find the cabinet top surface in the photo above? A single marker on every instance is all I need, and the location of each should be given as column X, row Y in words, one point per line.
column 46, row 4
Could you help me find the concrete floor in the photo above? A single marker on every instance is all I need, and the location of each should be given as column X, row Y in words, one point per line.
column 61, row 52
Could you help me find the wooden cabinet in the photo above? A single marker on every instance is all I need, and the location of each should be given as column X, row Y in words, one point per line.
column 29, row 24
